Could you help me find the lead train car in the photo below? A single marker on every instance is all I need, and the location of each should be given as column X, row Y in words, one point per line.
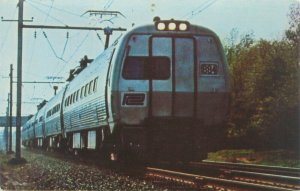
column 158, row 91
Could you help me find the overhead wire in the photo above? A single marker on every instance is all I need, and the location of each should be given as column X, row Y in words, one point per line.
column 52, row 48
column 73, row 54
column 7, row 31
column 42, row 11
column 35, row 35
column 65, row 46
column 108, row 4
column 81, row 43
column 47, row 13
column 199, row 9
column 57, row 9
column 99, row 37
column 32, row 2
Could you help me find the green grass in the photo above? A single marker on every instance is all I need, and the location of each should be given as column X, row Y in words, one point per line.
column 4, row 158
column 272, row 158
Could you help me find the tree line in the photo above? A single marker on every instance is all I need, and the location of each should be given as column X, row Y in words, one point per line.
column 264, row 108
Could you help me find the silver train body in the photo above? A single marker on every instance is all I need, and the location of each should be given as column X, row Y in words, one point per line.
column 153, row 90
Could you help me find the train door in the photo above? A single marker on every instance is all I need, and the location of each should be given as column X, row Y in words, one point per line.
column 174, row 96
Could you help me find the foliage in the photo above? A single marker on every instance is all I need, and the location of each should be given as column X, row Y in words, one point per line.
column 265, row 89
column 229, row 155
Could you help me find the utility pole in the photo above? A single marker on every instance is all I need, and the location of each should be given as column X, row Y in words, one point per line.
column 9, row 135
column 19, row 84
column 55, row 89
column 5, row 138
column 107, row 32
column 10, row 110
column 6, row 129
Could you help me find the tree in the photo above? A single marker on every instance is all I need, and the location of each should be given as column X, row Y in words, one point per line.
column 265, row 88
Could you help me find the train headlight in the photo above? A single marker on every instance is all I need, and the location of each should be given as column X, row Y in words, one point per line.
column 172, row 26
column 183, row 26
column 161, row 26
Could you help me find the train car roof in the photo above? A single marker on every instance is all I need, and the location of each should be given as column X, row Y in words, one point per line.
column 151, row 29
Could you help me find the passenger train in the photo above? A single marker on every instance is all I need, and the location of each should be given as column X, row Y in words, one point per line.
column 160, row 90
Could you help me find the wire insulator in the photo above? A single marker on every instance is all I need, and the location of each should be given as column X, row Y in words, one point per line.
column 45, row 34
column 99, row 36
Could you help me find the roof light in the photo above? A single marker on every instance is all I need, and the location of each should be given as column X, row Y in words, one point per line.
column 183, row 26
column 172, row 26
column 161, row 26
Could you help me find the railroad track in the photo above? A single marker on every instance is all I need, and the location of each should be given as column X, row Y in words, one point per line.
column 284, row 171
column 226, row 176
column 261, row 174
column 213, row 176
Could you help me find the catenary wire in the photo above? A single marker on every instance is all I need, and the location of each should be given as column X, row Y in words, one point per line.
column 42, row 11
column 49, row 43
column 57, row 9
column 65, row 46
column 108, row 4
column 199, row 9
column 6, row 36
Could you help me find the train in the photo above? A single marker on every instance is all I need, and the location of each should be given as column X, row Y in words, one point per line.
column 158, row 91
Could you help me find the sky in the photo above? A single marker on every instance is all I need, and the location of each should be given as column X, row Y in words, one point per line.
column 52, row 53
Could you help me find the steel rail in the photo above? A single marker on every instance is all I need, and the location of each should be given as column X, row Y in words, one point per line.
column 273, row 177
column 284, row 171
column 202, row 181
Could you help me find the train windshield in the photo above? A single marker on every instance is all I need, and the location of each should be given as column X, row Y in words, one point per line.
column 143, row 68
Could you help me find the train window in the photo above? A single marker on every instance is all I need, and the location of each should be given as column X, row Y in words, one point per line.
column 66, row 102
column 86, row 89
column 142, row 68
column 135, row 68
column 48, row 113
column 81, row 93
column 74, row 97
column 71, row 98
column 160, row 68
column 95, row 84
column 77, row 95
column 90, row 87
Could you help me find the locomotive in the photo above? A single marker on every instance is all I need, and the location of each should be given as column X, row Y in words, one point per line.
column 160, row 90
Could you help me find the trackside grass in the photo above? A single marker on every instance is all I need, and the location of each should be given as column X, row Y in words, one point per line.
column 249, row 156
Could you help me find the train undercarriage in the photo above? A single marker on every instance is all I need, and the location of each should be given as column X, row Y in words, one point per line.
column 163, row 139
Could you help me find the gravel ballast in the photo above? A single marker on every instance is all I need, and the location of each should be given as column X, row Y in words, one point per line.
column 45, row 172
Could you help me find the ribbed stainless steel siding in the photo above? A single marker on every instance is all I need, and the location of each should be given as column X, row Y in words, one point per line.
column 39, row 130
column 52, row 126
column 91, row 114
